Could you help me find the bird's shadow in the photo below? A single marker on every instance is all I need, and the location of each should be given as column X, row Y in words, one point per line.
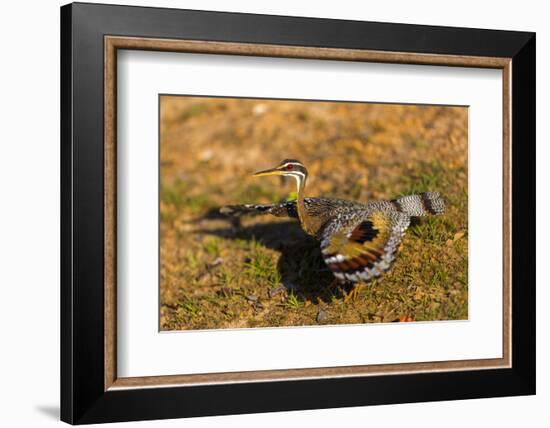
column 301, row 266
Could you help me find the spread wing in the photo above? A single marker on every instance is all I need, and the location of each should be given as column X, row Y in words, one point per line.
column 365, row 248
column 284, row 209
column 288, row 208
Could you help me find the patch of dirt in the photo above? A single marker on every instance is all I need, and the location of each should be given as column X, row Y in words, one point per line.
column 265, row 271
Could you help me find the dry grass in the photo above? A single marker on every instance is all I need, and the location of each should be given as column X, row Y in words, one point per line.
column 266, row 271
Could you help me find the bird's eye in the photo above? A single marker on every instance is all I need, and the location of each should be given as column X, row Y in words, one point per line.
column 289, row 166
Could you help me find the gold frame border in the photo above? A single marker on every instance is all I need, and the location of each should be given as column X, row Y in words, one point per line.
column 112, row 43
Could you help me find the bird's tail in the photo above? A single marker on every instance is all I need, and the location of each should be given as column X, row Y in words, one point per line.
column 422, row 204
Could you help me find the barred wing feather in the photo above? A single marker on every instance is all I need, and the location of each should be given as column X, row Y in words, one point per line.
column 366, row 248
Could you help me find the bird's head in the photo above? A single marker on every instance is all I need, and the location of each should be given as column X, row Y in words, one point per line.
column 288, row 167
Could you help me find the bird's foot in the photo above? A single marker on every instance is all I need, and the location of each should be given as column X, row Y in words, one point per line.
column 353, row 295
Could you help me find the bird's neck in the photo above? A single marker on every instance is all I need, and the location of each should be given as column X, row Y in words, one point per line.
column 308, row 222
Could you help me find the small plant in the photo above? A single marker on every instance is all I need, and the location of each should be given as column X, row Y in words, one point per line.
column 192, row 260
column 262, row 267
column 212, row 246
column 227, row 278
column 435, row 229
column 189, row 307
column 292, row 196
column 292, row 301
column 440, row 277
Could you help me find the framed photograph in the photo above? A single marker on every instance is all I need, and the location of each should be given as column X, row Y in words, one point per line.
column 266, row 213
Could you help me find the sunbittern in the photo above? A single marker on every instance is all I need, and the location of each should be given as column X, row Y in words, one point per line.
column 359, row 241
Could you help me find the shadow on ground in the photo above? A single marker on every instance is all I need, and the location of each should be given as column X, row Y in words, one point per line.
column 300, row 265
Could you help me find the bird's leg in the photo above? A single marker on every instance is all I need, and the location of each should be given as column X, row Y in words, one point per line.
column 358, row 288
column 339, row 285
column 354, row 293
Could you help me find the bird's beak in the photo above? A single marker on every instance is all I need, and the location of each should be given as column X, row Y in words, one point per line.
column 272, row 171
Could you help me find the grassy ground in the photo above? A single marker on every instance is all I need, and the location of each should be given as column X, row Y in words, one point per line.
column 266, row 271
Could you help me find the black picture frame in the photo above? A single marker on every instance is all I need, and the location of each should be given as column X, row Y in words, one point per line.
column 83, row 398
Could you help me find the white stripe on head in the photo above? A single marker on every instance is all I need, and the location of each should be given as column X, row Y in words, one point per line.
column 300, row 176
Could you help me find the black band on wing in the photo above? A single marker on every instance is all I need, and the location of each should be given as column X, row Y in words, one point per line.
column 364, row 232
